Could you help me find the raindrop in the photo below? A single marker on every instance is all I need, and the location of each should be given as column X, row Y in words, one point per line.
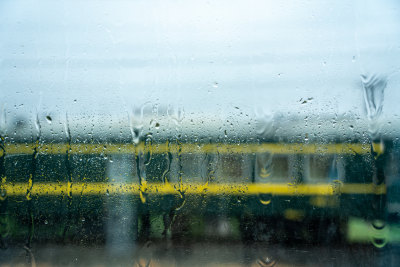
column 176, row 114
column 49, row 119
column 135, row 126
column 265, row 122
column 37, row 126
column 379, row 233
column 377, row 224
column 305, row 101
column 264, row 200
column 148, row 149
column 266, row 262
column 373, row 88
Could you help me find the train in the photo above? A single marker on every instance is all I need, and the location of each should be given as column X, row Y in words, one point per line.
column 142, row 176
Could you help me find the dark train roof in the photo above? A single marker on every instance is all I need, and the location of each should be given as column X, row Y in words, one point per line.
column 201, row 129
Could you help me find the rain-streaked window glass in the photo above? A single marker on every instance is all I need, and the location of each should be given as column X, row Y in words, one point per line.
column 199, row 133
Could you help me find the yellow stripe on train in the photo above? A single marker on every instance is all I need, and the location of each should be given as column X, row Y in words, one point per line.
column 193, row 148
column 102, row 188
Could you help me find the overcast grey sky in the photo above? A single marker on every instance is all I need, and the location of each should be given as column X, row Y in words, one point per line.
column 205, row 56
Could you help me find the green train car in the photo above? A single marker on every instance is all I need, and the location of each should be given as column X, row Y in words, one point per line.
column 122, row 183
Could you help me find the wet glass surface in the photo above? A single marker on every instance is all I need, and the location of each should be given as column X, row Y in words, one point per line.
column 176, row 133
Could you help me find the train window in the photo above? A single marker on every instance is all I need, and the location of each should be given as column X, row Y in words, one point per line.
column 272, row 168
column 325, row 168
column 197, row 132
column 233, row 167
column 194, row 168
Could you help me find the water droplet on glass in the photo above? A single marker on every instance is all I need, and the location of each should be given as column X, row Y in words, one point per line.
column 265, row 200
column 265, row 122
column 373, row 88
column 48, row 119
column 135, row 125
column 266, row 262
column 148, row 149
column 177, row 114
